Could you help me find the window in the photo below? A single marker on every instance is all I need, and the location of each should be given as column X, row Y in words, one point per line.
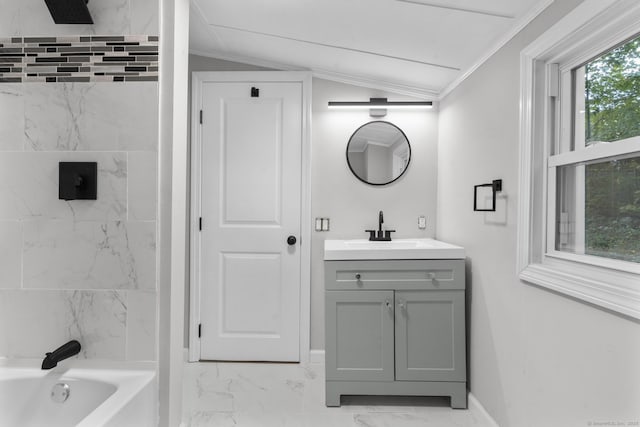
column 579, row 221
column 598, row 209
column 598, row 191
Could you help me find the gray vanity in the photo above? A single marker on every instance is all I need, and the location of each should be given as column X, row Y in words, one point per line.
column 395, row 319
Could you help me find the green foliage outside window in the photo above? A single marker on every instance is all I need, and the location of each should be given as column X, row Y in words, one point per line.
column 612, row 98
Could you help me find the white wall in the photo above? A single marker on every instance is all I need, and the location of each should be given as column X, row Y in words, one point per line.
column 353, row 205
column 536, row 358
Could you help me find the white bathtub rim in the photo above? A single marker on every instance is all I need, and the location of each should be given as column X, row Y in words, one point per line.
column 130, row 378
column 96, row 364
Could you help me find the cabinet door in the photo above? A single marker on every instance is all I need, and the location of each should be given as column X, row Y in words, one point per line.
column 430, row 338
column 359, row 335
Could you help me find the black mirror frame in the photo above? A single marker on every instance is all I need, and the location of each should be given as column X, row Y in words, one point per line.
column 384, row 183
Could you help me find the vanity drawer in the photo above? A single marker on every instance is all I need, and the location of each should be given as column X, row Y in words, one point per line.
column 396, row 274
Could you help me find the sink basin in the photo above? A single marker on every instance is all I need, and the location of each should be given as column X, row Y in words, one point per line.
column 336, row 250
column 394, row 244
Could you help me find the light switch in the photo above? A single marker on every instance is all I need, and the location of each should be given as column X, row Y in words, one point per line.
column 422, row 222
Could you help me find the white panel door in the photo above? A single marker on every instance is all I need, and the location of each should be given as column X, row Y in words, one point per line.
column 250, row 206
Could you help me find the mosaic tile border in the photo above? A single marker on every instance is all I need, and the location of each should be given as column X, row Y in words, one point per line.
column 79, row 59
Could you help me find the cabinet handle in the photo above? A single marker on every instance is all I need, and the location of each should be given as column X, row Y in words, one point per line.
column 389, row 305
column 401, row 304
column 431, row 275
column 358, row 276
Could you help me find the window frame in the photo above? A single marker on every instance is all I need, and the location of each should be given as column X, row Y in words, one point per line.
column 546, row 119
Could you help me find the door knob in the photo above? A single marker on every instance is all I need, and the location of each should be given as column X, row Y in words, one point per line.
column 291, row 240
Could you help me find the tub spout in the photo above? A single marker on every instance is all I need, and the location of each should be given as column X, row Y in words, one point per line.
column 65, row 351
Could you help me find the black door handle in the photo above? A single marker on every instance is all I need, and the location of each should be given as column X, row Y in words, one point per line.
column 291, row 240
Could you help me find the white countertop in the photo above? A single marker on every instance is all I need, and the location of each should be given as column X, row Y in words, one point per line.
column 362, row 249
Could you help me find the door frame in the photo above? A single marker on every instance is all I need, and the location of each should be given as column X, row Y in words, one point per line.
column 198, row 78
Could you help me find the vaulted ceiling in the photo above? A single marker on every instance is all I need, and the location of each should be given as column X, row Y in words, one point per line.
column 416, row 47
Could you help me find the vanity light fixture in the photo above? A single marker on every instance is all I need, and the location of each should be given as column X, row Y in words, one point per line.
column 378, row 106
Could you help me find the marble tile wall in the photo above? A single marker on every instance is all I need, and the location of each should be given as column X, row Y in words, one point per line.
column 82, row 269
column 110, row 17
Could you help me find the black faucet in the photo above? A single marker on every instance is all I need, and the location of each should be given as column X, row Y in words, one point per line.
column 382, row 236
column 65, row 351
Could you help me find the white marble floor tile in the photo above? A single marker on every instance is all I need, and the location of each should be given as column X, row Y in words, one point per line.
column 283, row 395
column 206, row 418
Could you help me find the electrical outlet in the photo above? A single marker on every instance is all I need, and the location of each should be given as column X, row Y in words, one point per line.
column 422, row 222
column 322, row 224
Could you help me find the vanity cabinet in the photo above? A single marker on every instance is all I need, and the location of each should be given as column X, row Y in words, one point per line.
column 395, row 327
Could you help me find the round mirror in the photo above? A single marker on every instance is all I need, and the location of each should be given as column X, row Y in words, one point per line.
column 378, row 153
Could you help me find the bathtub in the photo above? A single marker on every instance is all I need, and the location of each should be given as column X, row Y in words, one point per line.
column 77, row 394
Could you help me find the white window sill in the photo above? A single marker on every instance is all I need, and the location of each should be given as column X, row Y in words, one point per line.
column 617, row 293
